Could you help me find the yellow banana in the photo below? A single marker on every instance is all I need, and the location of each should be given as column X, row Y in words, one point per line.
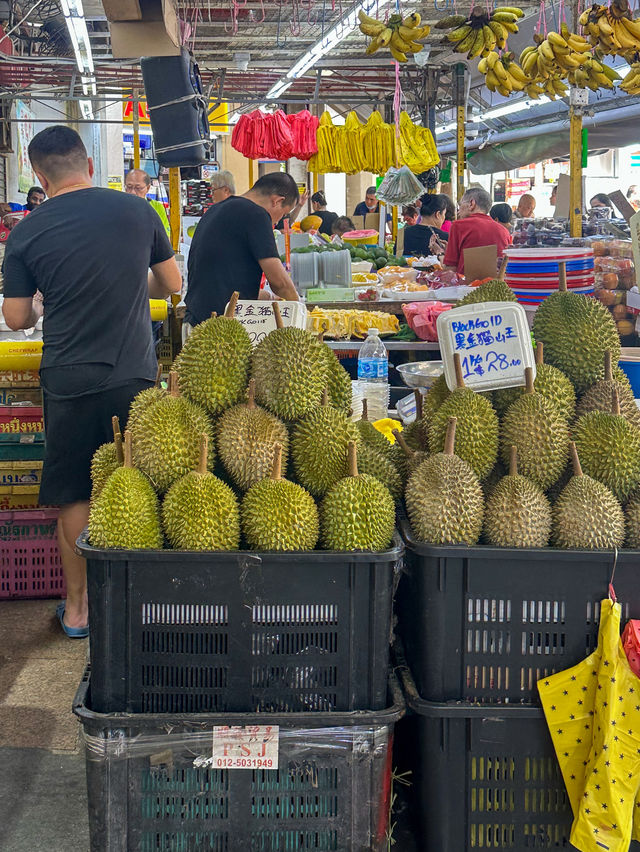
column 492, row 59
column 504, row 90
column 517, row 73
column 533, row 92
column 489, row 37
column 372, row 47
column 371, row 29
column 632, row 27
column 578, row 44
column 530, row 64
column 504, row 17
column 422, row 32
column 555, row 39
column 605, row 27
column 511, row 27
column 477, row 46
column 414, row 47
column 413, row 20
column 609, row 72
column 459, row 34
column 499, row 32
column 483, row 65
column 385, row 36
column 624, row 37
column 492, row 81
column 583, row 20
column 400, row 43
column 511, row 10
column 398, row 55
column 407, row 33
column 568, row 62
column 514, row 84
column 467, row 42
column 500, row 72
column 545, row 50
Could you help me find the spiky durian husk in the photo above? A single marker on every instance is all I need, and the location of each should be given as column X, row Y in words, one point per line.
column 517, row 514
column 246, row 439
column 586, row 515
column 279, row 515
column 126, row 513
column 476, row 432
column 540, row 434
column 609, row 450
column 358, row 513
column 200, row 512
column 319, row 448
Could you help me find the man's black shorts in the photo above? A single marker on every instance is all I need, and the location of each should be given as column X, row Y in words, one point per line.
column 74, row 429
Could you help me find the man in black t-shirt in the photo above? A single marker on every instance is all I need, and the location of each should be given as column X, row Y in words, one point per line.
column 234, row 244
column 97, row 256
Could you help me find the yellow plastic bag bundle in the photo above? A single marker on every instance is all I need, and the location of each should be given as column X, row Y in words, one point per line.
column 326, row 158
column 350, row 145
column 593, row 714
column 379, row 144
column 417, row 148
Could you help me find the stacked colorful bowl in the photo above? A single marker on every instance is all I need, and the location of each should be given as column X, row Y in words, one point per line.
column 533, row 273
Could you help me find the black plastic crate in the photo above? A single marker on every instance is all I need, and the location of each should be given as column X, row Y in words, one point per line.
column 484, row 624
column 178, row 632
column 150, row 788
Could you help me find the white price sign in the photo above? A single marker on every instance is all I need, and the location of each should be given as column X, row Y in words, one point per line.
column 493, row 341
column 258, row 317
column 250, row 747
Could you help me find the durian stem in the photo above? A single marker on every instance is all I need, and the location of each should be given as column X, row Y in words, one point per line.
column 128, row 454
column 276, row 470
column 608, row 367
column 575, row 461
column 418, row 395
column 214, row 314
column 615, row 402
column 204, row 454
column 365, row 409
column 158, row 375
column 397, row 434
column 450, row 440
column 503, row 268
column 117, row 439
column 539, row 353
column 251, row 394
column 513, row 461
column 562, row 277
column 321, row 336
column 528, row 380
column 325, row 397
column 352, row 458
column 277, row 315
column 231, row 307
column 457, row 365
column 173, row 384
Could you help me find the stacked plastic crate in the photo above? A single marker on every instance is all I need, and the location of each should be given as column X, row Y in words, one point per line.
column 239, row 700
column 480, row 626
column 30, row 565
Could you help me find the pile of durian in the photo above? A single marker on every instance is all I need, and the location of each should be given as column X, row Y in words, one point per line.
column 246, row 448
column 554, row 463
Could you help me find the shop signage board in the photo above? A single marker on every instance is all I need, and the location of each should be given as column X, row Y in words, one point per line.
column 259, row 320
column 493, row 341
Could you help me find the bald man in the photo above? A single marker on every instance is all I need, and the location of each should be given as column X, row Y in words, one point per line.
column 137, row 182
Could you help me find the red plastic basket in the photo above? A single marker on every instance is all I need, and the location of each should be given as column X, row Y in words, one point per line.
column 30, row 564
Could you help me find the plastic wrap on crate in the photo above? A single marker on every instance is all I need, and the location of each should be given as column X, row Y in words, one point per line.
column 176, row 631
column 164, row 781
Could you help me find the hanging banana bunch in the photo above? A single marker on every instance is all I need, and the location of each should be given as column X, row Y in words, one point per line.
column 631, row 83
column 593, row 75
column 612, row 30
column 401, row 35
column 480, row 33
column 502, row 73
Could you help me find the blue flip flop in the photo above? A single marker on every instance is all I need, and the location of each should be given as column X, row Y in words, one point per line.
column 71, row 632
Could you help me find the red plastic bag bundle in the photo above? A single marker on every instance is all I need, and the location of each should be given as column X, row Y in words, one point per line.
column 422, row 316
column 304, row 127
column 280, row 137
column 249, row 136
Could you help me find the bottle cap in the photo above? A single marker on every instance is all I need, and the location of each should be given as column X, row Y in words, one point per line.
column 373, row 331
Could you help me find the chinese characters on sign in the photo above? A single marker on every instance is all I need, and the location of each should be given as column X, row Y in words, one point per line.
column 493, row 342
column 258, row 318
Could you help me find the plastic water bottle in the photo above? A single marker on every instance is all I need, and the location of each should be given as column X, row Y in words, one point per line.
column 373, row 373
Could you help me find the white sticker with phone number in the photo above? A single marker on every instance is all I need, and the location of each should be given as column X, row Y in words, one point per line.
column 250, row 747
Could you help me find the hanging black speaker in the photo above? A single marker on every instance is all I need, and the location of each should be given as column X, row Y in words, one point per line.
column 177, row 109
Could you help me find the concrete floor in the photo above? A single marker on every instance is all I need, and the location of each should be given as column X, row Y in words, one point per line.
column 43, row 800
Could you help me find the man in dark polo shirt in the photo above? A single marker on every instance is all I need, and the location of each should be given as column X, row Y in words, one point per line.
column 473, row 228
column 96, row 256
column 234, row 244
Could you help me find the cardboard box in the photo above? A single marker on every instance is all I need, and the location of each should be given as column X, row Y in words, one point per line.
column 122, row 10
column 157, row 33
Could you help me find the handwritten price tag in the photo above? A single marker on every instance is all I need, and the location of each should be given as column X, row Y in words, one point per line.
column 258, row 318
column 493, row 342
column 250, row 747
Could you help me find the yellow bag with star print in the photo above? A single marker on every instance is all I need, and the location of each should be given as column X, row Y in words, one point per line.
column 593, row 714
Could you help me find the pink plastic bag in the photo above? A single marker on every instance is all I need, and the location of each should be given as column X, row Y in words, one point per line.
column 422, row 316
column 631, row 644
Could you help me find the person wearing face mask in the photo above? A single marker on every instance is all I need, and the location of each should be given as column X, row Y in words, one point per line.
column 234, row 245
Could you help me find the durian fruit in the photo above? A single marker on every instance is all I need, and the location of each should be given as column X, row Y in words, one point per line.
column 146, row 398
column 338, row 381
column 106, row 459
column 435, row 396
column 517, row 512
column 477, row 426
column 405, row 457
column 358, row 512
column 599, row 396
column 632, row 521
column 379, row 465
column 491, row 291
column 200, row 511
column 247, row 436
column 586, row 515
column 549, row 382
column 166, row 438
column 319, row 447
column 539, row 431
column 576, row 331
column 609, row 449
column 126, row 514
column 278, row 514
column 444, row 498
column 290, row 369
column 370, row 435
column 213, row 366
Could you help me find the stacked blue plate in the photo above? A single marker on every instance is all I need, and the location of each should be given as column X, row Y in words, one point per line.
column 533, row 273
